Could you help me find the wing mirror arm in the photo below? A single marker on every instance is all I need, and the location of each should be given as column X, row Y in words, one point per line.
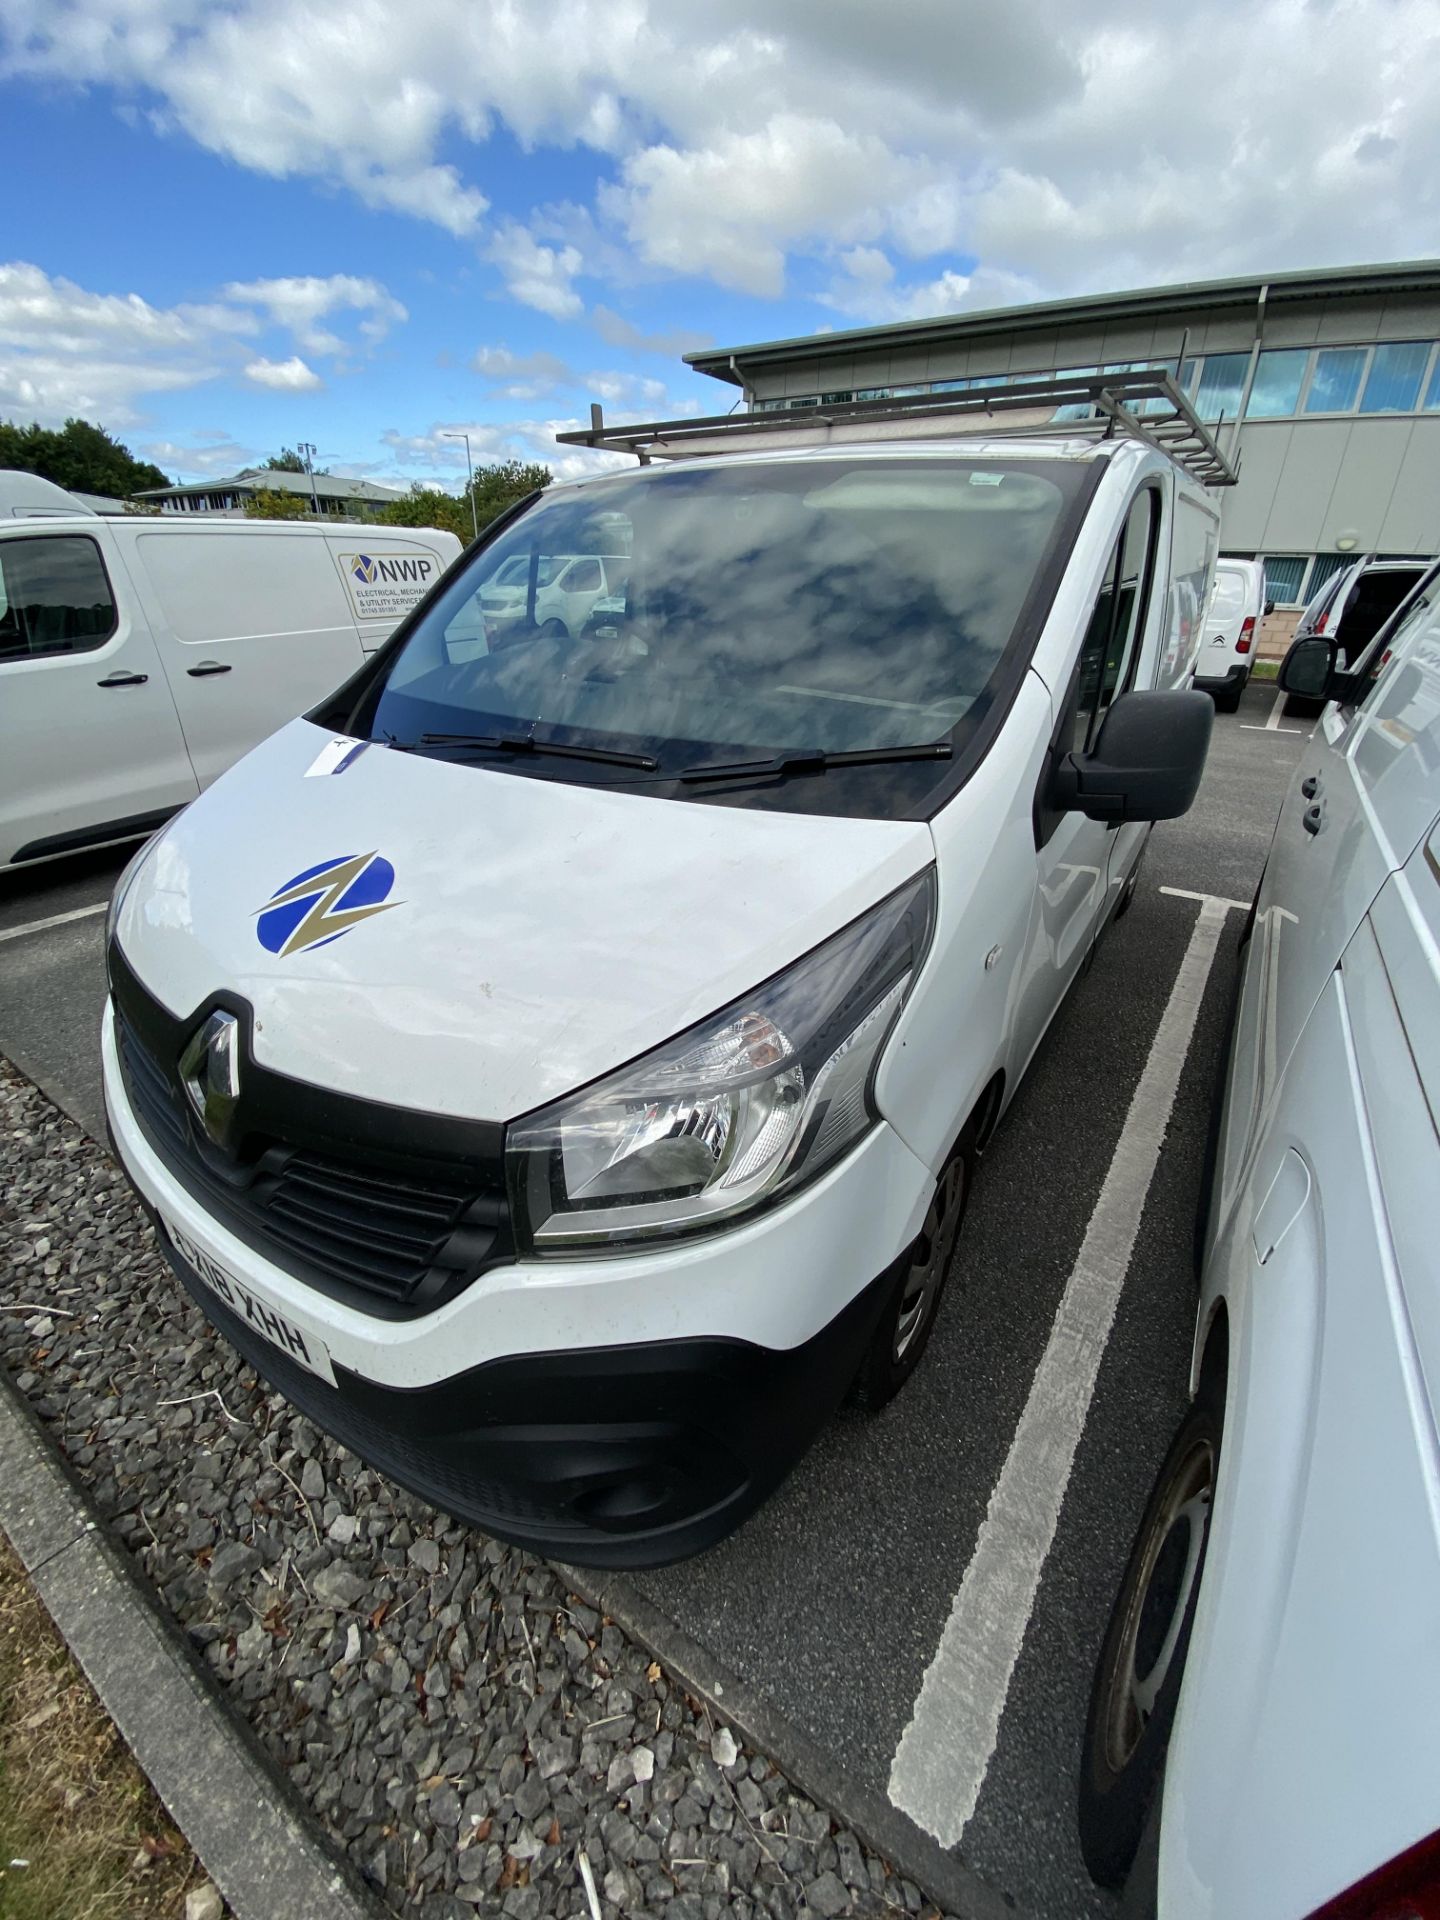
column 1147, row 761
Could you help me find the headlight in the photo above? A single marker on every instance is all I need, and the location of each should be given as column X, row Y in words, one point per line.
column 122, row 887
column 743, row 1108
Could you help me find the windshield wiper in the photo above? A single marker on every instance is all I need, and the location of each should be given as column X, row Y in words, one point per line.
column 525, row 743
column 814, row 760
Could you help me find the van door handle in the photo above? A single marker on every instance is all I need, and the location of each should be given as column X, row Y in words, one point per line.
column 1311, row 786
column 123, row 679
column 1312, row 817
column 207, row 667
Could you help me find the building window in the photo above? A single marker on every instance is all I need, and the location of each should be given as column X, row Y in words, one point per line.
column 1396, row 372
column 1275, row 390
column 1432, row 392
column 1335, row 382
column 1284, row 573
column 1222, row 381
column 1324, row 567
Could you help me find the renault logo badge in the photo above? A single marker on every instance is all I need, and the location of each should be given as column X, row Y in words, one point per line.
column 210, row 1071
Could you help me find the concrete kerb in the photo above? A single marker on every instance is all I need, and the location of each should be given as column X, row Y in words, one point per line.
column 956, row 1887
column 250, row 1831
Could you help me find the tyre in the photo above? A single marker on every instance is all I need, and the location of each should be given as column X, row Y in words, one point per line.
column 1137, row 1679
column 554, row 630
column 1227, row 698
column 905, row 1324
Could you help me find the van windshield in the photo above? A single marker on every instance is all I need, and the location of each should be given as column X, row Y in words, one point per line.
column 755, row 608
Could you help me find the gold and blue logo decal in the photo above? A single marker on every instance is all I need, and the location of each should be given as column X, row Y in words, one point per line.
column 364, row 569
column 325, row 902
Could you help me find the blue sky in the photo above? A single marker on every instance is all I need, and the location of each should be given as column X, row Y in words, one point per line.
column 231, row 228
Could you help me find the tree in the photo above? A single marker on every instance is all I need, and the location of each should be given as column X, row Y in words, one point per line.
column 286, row 461
column 497, row 487
column 79, row 456
column 501, row 484
column 268, row 504
column 428, row 507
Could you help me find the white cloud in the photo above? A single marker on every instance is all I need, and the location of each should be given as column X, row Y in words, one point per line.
column 424, row 456
column 616, row 331
column 1062, row 146
column 67, row 349
column 522, row 376
column 286, row 376
column 866, row 290
column 300, row 302
column 536, row 275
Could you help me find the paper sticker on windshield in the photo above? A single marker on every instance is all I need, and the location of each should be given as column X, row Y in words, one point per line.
column 386, row 585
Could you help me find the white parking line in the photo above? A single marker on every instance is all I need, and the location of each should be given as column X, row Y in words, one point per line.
column 944, row 1753
column 1271, row 723
column 55, row 920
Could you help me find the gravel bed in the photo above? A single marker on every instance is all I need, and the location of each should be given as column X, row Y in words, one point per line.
column 474, row 1735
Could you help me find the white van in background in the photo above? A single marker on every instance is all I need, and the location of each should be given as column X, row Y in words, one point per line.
column 140, row 659
column 1237, row 606
column 1352, row 607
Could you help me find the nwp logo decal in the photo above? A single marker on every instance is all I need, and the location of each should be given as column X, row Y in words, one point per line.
column 325, row 902
column 364, row 569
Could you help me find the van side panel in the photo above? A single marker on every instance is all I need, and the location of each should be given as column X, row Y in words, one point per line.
column 89, row 735
column 385, row 574
column 252, row 625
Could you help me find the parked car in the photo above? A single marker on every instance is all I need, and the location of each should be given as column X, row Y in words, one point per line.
column 139, row 659
column 1275, row 1627
column 1355, row 603
column 561, row 1068
column 558, row 600
column 1237, row 605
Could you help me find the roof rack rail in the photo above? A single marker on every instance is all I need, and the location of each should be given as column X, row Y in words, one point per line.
column 1169, row 422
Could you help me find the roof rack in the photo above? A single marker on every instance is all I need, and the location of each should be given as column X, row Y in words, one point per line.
column 1019, row 407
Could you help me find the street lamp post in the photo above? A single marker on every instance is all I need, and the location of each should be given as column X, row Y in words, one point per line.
column 307, row 449
column 470, row 470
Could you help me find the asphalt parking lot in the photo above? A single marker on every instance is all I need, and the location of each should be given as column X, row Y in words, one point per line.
column 831, row 1606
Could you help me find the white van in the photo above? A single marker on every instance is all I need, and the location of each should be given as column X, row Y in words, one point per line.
column 139, row 659
column 1292, row 1541
column 1356, row 602
column 557, row 595
column 561, row 1069
column 1237, row 606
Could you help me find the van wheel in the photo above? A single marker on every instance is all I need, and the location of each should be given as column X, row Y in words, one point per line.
column 905, row 1325
column 1227, row 698
column 1137, row 1679
column 554, row 630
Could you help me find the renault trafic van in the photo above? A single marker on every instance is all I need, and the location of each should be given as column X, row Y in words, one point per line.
column 140, row 658
column 560, row 1068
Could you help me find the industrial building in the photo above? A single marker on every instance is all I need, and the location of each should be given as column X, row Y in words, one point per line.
column 1326, row 384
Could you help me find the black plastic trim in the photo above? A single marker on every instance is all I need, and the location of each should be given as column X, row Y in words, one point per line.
column 633, row 1456
column 134, row 827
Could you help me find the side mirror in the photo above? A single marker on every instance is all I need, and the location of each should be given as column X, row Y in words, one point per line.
column 1311, row 668
column 1269, row 608
column 1147, row 762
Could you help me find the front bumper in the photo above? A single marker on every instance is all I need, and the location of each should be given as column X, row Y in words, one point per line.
column 618, row 1412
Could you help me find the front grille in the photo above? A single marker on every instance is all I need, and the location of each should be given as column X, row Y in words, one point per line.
column 368, row 1219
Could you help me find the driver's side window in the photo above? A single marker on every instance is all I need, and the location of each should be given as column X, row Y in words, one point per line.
column 1111, row 646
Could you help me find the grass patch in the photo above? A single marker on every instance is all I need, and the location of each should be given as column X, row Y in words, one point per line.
column 1265, row 670
column 73, row 1803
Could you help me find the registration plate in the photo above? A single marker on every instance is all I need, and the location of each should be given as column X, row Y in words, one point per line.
column 303, row 1348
